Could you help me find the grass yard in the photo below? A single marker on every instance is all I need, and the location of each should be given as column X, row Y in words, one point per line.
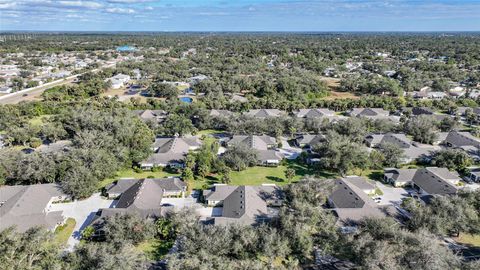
column 468, row 239
column 253, row 176
column 154, row 249
column 130, row 173
column 62, row 233
column 341, row 95
column 263, row 175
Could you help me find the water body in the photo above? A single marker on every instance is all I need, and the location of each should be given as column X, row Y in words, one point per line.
column 186, row 99
column 126, row 48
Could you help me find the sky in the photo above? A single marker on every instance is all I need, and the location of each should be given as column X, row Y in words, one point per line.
column 240, row 15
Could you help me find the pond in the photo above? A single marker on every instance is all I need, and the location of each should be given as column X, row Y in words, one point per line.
column 186, row 99
column 126, row 48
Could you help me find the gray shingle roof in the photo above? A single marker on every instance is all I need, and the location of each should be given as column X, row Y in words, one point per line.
column 151, row 114
column 263, row 142
column 401, row 175
column 410, row 151
column 264, row 113
column 171, row 149
column 243, row 204
column 314, row 113
column 166, row 184
column 224, row 113
column 360, row 182
column 268, row 155
column 347, row 195
column 369, row 112
column 351, row 204
column 432, row 180
column 458, row 139
column 309, row 139
column 435, row 181
column 24, row 206
column 143, row 197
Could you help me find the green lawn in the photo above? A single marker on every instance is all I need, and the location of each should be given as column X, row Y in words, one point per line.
column 253, row 176
column 468, row 239
column 62, row 233
column 130, row 173
column 262, row 175
column 155, row 249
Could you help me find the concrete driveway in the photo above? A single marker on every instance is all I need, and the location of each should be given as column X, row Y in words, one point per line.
column 289, row 151
column 206, row 212
column 392, row 195
column 179, row 203
column 82, row 211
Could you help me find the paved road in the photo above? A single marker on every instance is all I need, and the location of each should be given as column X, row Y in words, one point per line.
column 82, row 211
column 34, row 92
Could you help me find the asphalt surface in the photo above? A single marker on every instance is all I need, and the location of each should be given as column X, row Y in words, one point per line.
column 35, row 92
column 31, row 94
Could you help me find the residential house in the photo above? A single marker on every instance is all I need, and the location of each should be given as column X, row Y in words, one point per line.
column 308, row 140
column 142, row 197
column 265, row 113
column 316, row 114
column 399, row 177
column 221, row 113
column 422, row 110
column 197, row 79
column 372, row 113
column 427, row 181
column 367, row 186
column 170, row 151
column 171, row 187
column 425, row 93
column 152, row 115
column 416, row 111
column 245, row 205
column 351, row 204
column 29, row 206
column 264, row 145
column 464, row 141
column 119, row 80
column 411, row 150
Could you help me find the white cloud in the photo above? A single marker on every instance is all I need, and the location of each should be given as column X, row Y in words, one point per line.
column 7, row 5
column 149, row 8
column 74, row 16
column 83, row 4
column 120, row 10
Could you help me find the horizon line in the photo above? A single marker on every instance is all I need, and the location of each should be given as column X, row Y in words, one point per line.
column 240, row 31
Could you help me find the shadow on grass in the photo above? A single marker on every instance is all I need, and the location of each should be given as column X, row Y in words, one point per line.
column 303, row 170
column 158, row 249
column 376, row 175
column 210, row 179
column 275, row 179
